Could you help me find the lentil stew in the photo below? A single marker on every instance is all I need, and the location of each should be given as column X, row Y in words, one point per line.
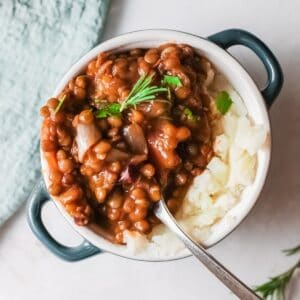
column 131, row 123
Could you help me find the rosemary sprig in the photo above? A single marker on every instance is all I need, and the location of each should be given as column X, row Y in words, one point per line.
column 292, row 251
column 275, row 288
column 142, row 91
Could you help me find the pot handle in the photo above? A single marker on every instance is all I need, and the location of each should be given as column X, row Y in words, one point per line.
column 38, row 197
column 231, row 37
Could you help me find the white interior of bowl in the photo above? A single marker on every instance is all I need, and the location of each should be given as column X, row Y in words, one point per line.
column 241, row 82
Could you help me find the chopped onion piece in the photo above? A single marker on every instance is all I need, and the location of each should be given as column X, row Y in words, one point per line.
column 134, row 137
column 87, row 135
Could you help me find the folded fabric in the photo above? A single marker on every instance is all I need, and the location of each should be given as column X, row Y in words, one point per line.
column 39, row 41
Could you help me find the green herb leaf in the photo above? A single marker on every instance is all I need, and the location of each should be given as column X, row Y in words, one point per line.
column 276, row 286
column 223, row 102
column 60, row 103
column 190, row 115
column 112, row 109
column 172, row 81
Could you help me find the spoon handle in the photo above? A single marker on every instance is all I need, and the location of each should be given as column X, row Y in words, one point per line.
column 233, row 283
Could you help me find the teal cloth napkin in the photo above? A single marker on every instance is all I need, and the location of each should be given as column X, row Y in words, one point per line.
column 39, row 41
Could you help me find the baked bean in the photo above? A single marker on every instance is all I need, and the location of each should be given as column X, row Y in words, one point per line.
column 128, row 205
column 73, row 194
column 119, row 238
column 115, row 167
column 121, row 63
column 64, row 138
column 142, row 226
column 136, row 52
column 100, row 194
column 168, row 51
column 92, row 68
column 144, row 67
column 61, row 154
column 87, row 171
column 55, row 176
column 155, row 193
column 102, row 57
column 188, row 165
column 115, row 121
column 102, row 147
column 44, row 112
column 171, row 63
column 65, row 165
column 136, row 116
column 58, row 117
column 105, row 67
column 91, row 160
column 138, row 214
column 111, row 177
column 123, row 225
column 151, row 56
column 71, row 85
column 101, row 156
column 183, row 133
column 142, row 202
column 79, row 93
column 182, row 92
column 114, row 214
column 181, row 178
column 137, row 193
column 148, row 170
column 67, row 179
column 52, row 103
column 81, row 81
column 55, row 189
column 115, row 201
column 86, row 116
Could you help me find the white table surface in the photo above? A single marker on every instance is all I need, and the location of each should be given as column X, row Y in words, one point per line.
column 29, row 271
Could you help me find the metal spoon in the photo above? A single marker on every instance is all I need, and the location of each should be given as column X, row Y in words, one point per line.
column 234, row 284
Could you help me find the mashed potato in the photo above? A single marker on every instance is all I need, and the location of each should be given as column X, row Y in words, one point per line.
column 217, row 190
